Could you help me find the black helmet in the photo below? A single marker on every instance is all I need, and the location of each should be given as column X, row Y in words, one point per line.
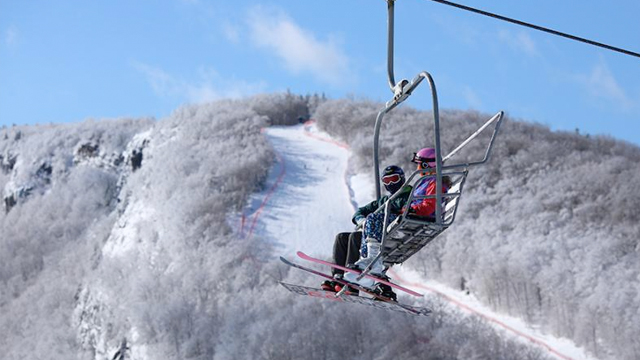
column 393, row 178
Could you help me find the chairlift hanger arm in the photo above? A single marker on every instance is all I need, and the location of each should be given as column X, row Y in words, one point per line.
column 406, row 91
column 392, row 81
column 398, row 89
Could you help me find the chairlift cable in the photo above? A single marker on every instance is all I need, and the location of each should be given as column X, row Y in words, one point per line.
column 540, row 28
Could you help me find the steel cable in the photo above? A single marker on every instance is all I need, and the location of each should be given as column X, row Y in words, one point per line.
column 540, row 28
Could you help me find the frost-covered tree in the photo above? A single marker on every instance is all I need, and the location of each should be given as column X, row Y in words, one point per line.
column 548, row 230
column 120, row 229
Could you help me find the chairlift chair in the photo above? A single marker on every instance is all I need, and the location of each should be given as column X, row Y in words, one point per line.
column 407, row 234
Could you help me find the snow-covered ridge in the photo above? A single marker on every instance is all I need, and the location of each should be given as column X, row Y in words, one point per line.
column 103, row 253
column 543, row 231
column 34, row 169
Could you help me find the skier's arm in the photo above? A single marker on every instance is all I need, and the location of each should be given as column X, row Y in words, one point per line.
column 425, row 207
column 400, row 200
column 362, row 212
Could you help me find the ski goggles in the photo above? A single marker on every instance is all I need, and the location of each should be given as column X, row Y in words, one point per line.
column 424, row 162
column 391, row 179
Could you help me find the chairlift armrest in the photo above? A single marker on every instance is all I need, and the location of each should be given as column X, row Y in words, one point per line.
column 497, row 119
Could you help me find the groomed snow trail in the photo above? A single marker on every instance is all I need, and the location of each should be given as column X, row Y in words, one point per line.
column 307, row 202
column 309, row 199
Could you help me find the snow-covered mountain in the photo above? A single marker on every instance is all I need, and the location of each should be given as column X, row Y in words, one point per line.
column 131, row 232
column 548, row 230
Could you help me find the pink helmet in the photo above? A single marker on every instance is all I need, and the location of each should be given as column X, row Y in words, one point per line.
column 426, row 157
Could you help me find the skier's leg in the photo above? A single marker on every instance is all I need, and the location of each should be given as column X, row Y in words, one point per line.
column 340, row 251
column 372, row 229
column 342, row 254
column 373, row 225
column 353, row 252
column 370, row 247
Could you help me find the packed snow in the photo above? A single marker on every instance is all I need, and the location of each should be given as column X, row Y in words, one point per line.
column 309, row 203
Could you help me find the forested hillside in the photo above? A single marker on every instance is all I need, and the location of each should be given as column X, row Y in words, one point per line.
column 548, row 230
column 117, row 230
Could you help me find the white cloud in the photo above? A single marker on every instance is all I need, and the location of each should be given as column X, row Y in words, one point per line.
column 300, row 50
column 11, row 36
column 472, row 98
column 231, row 32
column 212, row 86
column 520, row 41
column 209, row 85
column 161, row 82
column 460, row 31
column 602, row 84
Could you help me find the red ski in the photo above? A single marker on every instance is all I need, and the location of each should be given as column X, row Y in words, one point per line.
column 387, row 305
column 375, row 297
column 344, row 268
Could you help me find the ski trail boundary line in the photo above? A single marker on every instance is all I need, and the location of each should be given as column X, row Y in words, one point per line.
column 256, row 214
column 497, row 322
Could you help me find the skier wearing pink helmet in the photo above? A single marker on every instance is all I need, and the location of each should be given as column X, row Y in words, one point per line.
column 426, row 157
column 426, row 160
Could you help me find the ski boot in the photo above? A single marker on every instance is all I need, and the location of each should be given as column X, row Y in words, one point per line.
column 335, row 286
column 329, row 285
column 386, row 291
column 350, row 290
column 377, row 269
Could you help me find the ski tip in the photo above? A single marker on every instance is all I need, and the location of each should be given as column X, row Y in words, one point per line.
column 302, row 255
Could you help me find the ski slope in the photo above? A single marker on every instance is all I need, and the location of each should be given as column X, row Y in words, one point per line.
column 306, row 201
column 310, row 196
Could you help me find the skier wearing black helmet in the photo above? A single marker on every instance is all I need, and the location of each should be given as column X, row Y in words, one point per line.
column 348, row 247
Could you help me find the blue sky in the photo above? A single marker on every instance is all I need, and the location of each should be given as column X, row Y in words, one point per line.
column 66, row 61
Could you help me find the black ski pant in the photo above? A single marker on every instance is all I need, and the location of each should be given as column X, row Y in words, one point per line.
column 346, row 249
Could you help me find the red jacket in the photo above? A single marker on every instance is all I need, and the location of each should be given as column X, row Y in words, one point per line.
column 426, row 207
